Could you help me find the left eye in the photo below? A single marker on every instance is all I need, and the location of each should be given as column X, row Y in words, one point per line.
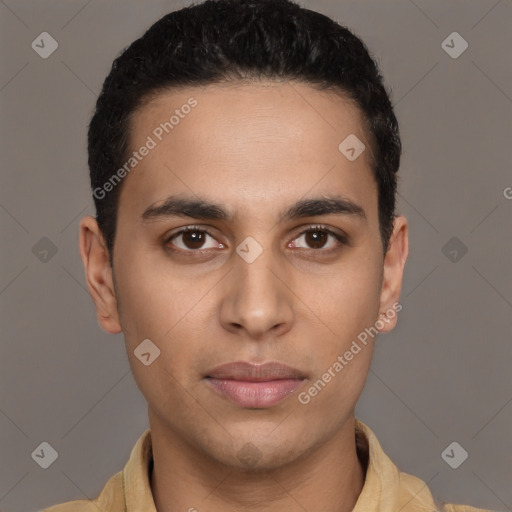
column 317, row 237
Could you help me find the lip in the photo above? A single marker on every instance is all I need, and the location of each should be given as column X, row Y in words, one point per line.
column 255, row 386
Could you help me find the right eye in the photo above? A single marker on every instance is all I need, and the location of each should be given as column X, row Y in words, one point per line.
column 192, row 238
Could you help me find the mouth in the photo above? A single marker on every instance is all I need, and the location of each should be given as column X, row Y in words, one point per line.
column 255, row 386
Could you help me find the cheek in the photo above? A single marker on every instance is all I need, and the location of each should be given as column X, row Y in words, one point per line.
column 149, row 302
column 140, row 315
column 338, row 379
column 347, row 301
column 160, row 305
column 347, row 386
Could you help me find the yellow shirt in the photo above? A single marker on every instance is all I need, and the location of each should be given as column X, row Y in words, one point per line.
column 386, row 488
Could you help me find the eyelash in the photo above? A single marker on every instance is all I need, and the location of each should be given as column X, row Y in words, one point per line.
column 342, row 239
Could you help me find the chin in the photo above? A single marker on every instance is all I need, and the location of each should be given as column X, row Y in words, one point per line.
column 261, row 454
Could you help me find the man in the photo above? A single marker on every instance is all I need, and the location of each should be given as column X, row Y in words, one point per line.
column 243, row 159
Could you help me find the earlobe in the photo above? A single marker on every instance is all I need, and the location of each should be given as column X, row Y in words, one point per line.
column 394, row 264
column 98, row 273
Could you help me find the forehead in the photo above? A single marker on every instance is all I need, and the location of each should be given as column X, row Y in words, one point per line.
column 247, row 142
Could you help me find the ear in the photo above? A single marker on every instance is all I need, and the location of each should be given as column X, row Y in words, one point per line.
column 394, row 263
column 98, row 272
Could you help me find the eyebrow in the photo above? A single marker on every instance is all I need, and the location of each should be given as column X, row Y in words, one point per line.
column 199, row 208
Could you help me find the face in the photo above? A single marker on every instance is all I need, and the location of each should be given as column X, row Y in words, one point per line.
column 282, row 264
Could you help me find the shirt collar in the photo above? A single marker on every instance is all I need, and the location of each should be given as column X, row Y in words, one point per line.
column 136, row 484
column 382, row 482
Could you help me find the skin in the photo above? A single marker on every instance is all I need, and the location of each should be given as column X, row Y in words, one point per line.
column 255, row 149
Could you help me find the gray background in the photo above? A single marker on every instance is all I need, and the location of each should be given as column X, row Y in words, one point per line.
column 442, row 375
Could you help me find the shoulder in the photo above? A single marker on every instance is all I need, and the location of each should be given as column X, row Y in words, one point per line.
column 416, row 497
column 111, row 498
column 463, row 508
column 75, row 506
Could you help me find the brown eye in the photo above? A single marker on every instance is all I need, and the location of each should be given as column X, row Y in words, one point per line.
column 317, row 237
column 192, row 239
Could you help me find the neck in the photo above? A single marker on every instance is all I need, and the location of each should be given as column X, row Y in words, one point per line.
column 329, row 478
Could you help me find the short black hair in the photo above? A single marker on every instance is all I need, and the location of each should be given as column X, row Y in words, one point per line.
column 219, row 41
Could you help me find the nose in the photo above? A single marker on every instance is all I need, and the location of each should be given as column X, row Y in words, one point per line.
column 258, row 301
